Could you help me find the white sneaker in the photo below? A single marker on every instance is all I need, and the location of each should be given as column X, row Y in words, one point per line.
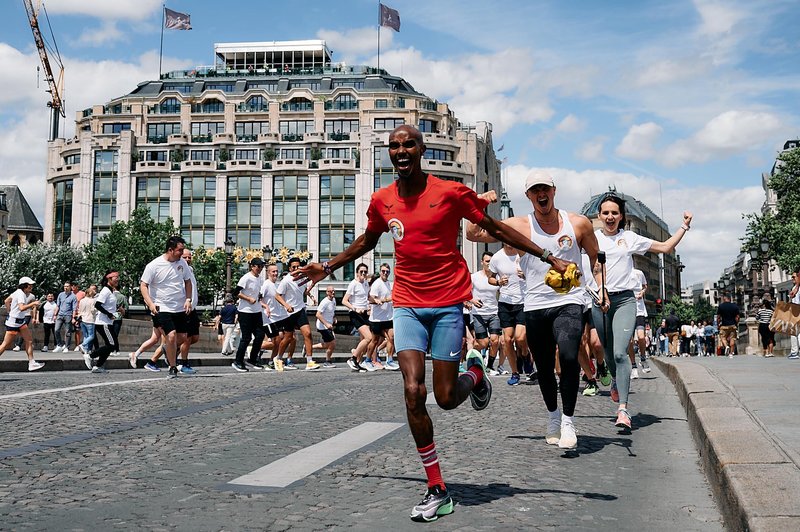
column 44, row 349
column 553, row 434
column 77, row 348
column 99, row 369
column 88, row 361
column 569, row 440
column 730, row 355
column 634, row 373
column 16, row 348
column 132, row 359
column 33, row 365
column 646, row 369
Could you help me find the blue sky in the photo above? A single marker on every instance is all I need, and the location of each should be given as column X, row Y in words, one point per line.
column 682, row 104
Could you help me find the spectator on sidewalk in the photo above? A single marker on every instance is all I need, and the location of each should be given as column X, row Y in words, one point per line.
column 672, row 327
column 794, row 296
column 79, row 295
column 710, row 333
column 227, row 320
column 65, row 318
column 49, row 310
column 86, row 318
column 763, row 317
column 728, row 315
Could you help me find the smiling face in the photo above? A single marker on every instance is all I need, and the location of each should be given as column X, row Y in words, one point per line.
column 611, row 216
column 542, row 198
column 405, row 151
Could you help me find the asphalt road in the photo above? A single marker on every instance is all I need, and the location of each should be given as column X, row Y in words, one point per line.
column 131, row 449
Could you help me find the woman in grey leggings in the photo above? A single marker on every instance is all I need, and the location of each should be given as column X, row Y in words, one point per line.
column 619, row 307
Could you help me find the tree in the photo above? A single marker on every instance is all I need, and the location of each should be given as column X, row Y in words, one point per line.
column 127, row 248
column 781, row 229
column 47, row 264
column 209, row 270
column 703, row 311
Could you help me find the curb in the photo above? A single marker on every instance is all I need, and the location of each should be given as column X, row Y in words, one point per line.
column 753, row 479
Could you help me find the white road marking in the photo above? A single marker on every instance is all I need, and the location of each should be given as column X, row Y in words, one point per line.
column 431, row 399
column 300, row 464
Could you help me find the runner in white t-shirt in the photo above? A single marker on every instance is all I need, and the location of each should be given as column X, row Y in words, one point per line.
column 356, row 299
column 275, row 318
column 505, row 273
column 484, row 315
column 19, row 308
column 106, row 305
column 641, row 321
column 294, row 296
column 326, row 319
column 381, row 315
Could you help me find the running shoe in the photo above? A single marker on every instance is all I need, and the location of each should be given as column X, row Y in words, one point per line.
column 591, row 389
column 328, row 364
column 377, row 364
column 311, row 365
column 603, row 374
column 352, row 363
column 646, row 367
column 87, row 359
column 634, row 373
column 533, row 378
column 493, row 372
column 502, row 370
column 255, row 365
column 553, row 434
column 623, row 419
column 99, row 369
column 569, row 439
column 614, row 392
column 435, row 503
column 34, row 365
column 44, row 349
column 527, row 365
column 173, row 373
column 288, row 364
column 78, row 349
column 392, row 365
column 482, row 392
column 367, row 365
column 793, row 356
column 151, row 366
column 238, row 367
column 514, row 380
column 186, row 369
column 82, row 349
column 132, row 360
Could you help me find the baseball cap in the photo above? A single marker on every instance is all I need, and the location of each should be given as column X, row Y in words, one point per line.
column 538, row 177
column 26, row 280
column 257, row 261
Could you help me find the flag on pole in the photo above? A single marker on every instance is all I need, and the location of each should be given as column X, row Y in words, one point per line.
column 174, row 20
column 390, row 18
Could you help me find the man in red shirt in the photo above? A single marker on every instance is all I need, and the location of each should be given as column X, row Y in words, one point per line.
column 432, row 280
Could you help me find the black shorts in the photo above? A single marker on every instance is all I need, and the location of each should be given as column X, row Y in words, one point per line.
column 327, row 335
column 19, row 324
column 641, row 321
column 511, row 315
column 588, row 319
column 272, row 330
column 377, row 327
column 296, row 320
column 193, row 324
column 171, row 321
column 358, row 320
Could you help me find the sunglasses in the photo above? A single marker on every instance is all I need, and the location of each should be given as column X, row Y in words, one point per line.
column 384, row 271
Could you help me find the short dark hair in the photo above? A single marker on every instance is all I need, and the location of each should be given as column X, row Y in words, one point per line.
column 294, row 259
column 486, row 253
column 360, row 264
column 173, row 241
column 612, row 197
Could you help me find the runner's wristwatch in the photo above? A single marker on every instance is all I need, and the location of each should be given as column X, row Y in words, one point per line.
column 327, row 268
column 545, row 255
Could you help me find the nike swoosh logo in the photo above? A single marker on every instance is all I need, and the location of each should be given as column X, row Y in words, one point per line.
column 455, row 354
column 432, row 205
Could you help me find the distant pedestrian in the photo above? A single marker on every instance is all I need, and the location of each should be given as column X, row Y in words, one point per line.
column 767, row 336
column 728, row 315
column 49, row 310
column 794, row 295
column 227, row 320
column 19, row 308
column 65, row 318
column 86, row 318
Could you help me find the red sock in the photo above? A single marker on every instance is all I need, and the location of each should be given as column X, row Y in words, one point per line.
column 476, row 374
column 430, row 461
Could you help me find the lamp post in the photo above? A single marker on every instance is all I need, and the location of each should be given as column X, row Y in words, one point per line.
column 267, row 250
column 678, row 269
column 229, row 246
column 766, row 281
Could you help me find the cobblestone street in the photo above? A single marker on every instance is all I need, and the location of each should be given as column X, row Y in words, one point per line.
column 149, row 453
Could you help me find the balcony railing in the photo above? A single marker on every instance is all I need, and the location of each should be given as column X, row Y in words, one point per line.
column 297, row 107
column 292, row 137
column 246, row 108
column 338, row 136
column 156, row 139
column 164, row 109
column 341, row 106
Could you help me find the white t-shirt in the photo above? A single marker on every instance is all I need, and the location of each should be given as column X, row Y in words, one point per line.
column 108, row 301
column 165, row 282
column 506, row 265
column 327, row 308
column 249, row 285
column 486, row 293
column 276, row 310
column 384, row 312
column 641, row 282
column 16, row 317
column 194, row 287
column 358, row 293
column 619, row 257
column 796, row 298
column 292, row 293
column 49, row 312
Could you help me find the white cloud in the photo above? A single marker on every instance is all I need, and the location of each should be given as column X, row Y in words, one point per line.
column 668, row 71
column 350, row 45
column 727, row 134
column 711, row 245
column 592, row 150
column 105, row 9
column 571, row 124
column 107, row 32
column 718, row 18
column 639, row 142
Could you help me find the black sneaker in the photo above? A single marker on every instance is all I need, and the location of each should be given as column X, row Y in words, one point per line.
column 482, row 392
column 239, row 367
column 435, row 503
column 533, row 378
column 173, row 373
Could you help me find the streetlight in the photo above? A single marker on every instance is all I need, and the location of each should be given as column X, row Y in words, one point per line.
column 267, row 250
column 229, row 246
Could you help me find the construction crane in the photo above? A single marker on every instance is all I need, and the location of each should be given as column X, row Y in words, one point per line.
column 56, row 103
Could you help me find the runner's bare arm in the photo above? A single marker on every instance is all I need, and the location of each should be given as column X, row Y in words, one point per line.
column 504, row 232
column 315, row 271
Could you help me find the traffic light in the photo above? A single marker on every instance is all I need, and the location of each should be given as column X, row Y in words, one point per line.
column 659, row 305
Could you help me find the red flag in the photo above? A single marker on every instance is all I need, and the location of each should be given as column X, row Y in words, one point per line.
column 174, row 20
column 390, row 18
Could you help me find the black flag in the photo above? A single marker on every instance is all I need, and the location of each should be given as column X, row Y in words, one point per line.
column 390, row 18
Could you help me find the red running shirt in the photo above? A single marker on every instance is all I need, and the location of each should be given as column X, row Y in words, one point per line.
column 429, row 268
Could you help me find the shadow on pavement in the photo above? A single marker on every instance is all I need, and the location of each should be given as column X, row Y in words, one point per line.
column 479, row 494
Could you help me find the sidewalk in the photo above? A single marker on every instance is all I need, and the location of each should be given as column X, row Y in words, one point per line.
column 18, row 361
column 743, row 413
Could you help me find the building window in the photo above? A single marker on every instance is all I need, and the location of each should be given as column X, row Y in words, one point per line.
column 198, row 206
column 255, row 104
column 62, row 211
column 312, row 85
column 153, row 193
column 183, row 88
column 201, row 155
column 381, row 103
column 209, row 106
column 244, row 210
column 388, row 123
column 343, row 102
column 115, row 129
column 205, row 130
column 439, row 155
column 337, row 217
column 294, row 153
column 339, row 153
column 224, row 87
column 298, row 104
column 104, row 199
column 246, row 155
column 428, row 126
column 355, row 84
column 341, row 126
column 383, row 170
column 168, row 106
column 290, row 212
column 72, row 159
column 249, row 131
column 155, row 155
column 269, row 86
column 158, row 133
